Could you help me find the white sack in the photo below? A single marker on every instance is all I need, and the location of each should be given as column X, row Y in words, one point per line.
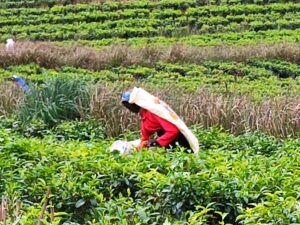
column 124, row 147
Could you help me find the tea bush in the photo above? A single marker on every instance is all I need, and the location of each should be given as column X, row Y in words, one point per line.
column 233, row 179
column 225, row 63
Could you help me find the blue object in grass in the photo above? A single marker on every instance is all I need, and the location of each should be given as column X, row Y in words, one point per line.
column 126, row 96
column 22, row 83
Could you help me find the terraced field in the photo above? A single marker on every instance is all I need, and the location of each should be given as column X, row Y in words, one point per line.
column 229, row 68
column 154, row 22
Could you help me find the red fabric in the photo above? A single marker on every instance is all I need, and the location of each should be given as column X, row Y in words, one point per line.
column 152, row 123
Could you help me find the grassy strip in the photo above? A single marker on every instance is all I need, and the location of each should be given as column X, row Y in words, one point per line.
column 51, row 56
column 278, row 116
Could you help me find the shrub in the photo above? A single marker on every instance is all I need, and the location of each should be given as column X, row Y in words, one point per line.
column 85, row 130
column 56, row 100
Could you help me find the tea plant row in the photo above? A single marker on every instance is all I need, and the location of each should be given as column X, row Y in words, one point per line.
column 61, row 24
column 214, row 39
column 95, row 13
column 113, row 5
column 222, row 77
column 252, row 70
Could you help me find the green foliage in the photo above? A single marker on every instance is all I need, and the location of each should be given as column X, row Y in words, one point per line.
column 280, row 68
column 221, row 77
column 230, row 38
column 56, row 100
column 136, row 20
column 85, row 130
column 234, row 178
column 247, row 179
column 115, row 5
column 69, row 130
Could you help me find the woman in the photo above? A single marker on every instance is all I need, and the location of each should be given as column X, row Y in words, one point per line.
column 168, row 135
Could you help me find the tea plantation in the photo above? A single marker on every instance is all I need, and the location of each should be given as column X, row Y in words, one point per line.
column 229, row 68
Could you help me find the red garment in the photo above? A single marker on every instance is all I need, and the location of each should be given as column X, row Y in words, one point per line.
column 152, row 123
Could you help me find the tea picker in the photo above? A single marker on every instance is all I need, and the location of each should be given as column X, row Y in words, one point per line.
column 156, row 118
column 10, row 45
column 20, row 82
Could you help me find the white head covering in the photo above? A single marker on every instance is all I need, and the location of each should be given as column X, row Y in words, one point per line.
column 10, row 45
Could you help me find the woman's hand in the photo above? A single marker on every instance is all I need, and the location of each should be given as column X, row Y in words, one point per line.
column 143, row 144
column 152, row 143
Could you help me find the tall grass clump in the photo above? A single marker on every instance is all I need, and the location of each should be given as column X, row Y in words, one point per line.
column 55, row 100
column 10, row 98
column 106, row 107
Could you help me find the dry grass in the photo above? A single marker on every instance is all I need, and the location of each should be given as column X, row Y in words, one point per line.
column 10, row 98
column 106, row 107
column 49, row 55
column 278, row 116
